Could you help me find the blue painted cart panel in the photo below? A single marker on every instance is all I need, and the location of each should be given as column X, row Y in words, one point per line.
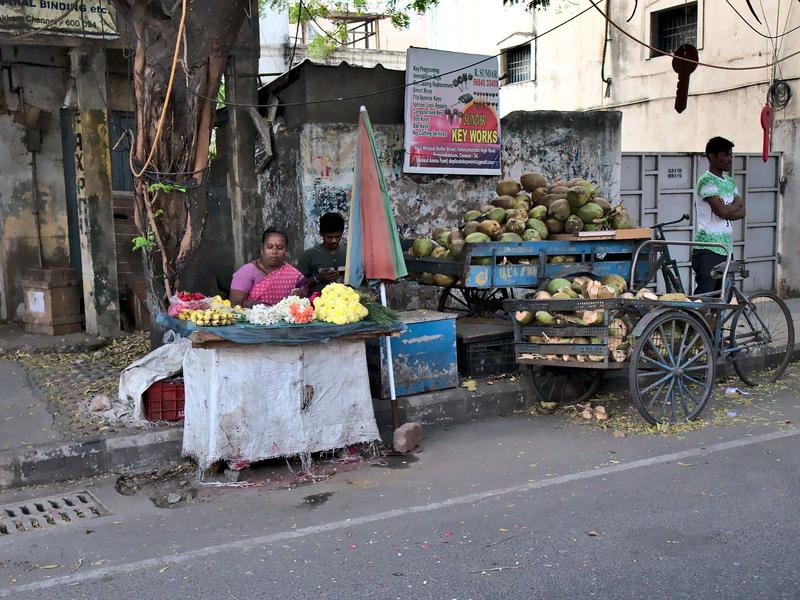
column 600, row 257
column 424, row 355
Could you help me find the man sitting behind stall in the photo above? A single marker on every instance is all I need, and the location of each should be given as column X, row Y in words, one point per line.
column 321, row 264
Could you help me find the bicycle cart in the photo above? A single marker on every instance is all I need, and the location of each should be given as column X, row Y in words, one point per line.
column 672, row 349
column 487, row 273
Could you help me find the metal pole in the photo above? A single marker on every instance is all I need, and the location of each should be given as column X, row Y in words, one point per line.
column 390, row 364
column 35, row 198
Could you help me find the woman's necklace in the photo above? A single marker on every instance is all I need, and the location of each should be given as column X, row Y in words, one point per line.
column 263, row 267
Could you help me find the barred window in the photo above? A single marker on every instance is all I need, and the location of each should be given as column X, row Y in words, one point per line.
column 518, row 64
column 671, row 28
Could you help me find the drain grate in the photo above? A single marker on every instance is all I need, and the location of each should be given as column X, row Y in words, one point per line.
column 54, row 511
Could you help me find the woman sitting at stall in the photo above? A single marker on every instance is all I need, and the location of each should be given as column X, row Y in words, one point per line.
column 268, row 279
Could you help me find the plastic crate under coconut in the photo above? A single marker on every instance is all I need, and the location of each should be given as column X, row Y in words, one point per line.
column 164, row 400
column 485, row 347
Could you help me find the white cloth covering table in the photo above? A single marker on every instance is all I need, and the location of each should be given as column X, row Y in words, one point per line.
column 253, row 402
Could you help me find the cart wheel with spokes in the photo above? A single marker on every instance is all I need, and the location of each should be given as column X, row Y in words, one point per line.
column 564, row 385
column 672, row 369
column 762, row 336
column 472, row 302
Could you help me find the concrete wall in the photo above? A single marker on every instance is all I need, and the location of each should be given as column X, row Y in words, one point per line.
column 391, row 59
column 787, row 141
column 312, row 171
column 568, row 67
column 274, row 34
column 44, row 88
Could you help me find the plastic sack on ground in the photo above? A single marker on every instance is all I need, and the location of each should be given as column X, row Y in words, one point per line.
column 160, row 364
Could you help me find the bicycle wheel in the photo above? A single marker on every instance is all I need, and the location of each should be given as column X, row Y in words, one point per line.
column 563, row 384
column 762, row 337
column 672, row 369
column 472, row 302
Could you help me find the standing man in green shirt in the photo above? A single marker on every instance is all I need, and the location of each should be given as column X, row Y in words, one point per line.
column 324, row 263
column 717, row 203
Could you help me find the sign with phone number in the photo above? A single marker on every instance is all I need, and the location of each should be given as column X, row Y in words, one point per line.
column 86, row 18
column 452, row 123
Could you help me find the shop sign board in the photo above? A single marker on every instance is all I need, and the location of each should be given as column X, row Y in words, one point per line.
column 82, row 18
column 452, row 124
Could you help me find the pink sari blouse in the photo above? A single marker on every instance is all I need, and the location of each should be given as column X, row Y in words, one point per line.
column 268, row 289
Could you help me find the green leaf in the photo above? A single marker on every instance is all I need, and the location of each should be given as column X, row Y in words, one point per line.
column 145, row 244
column 167, row 188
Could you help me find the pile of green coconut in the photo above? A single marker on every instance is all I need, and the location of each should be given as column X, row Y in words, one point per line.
column 528, row 210
column 620, row 324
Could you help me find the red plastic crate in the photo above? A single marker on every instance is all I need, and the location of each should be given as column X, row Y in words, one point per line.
column 164, row 400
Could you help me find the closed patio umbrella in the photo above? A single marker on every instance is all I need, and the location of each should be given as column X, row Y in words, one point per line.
column 373, row 243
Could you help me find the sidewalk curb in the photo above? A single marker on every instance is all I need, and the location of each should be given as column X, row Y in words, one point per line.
column 59, row 461
column 503, row 398
column 458, row 405
column 143, row 450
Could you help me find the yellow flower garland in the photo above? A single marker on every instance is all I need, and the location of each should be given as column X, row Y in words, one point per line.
column 339, row 304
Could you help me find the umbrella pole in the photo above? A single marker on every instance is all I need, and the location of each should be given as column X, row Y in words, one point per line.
column 390, row 363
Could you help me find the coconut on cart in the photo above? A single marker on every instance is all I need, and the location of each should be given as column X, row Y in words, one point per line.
column 529, row 232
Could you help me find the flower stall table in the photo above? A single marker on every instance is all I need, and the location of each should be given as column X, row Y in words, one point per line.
column 260, row 392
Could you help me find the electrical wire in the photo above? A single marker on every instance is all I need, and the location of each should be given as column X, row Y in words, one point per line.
column 396, row 87
column 764, row 35
column 772, row 41
column 786, row 26
column 633, row 12
column 779, row 94
column 42, row 29
column 322, row 29
column 593, row 5
column 54, row 23
column 333, row 38
column 160, row 127
column 296, row 33
column 688, row 60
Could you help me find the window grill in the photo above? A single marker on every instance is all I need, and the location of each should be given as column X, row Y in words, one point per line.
column 674, row 27
column 519, row 64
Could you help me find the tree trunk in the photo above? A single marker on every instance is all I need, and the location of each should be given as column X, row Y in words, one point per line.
column 173, row 219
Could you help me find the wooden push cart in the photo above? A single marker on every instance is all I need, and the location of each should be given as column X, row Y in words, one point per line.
column 488, row 273
column 673, row 348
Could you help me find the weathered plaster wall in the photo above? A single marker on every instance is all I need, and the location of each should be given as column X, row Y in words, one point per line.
column 567, row 65
column 391, row 59
column 281, row 187
column 214, row 264
column 786, row 139
column 312, row 171
column 42, row 87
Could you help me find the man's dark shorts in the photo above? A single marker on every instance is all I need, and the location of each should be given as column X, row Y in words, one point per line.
column 702, row 263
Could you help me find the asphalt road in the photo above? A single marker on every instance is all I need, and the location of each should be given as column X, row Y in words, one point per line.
column 509, row 508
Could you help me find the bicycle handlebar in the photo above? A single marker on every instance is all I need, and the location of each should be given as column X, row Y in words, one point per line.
column 675, row 222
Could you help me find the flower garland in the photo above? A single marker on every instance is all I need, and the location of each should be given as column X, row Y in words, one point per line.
column 291, row 310
column 339, row 304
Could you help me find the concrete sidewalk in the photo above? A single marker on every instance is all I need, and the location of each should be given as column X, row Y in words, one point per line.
column 25, row 418
column 13, row 338
column 46, row 434
column 33, row 450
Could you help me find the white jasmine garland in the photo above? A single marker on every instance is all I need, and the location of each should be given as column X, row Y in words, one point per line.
column 286, row 310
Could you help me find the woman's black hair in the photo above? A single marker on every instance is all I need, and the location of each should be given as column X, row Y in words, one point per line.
column 274, row 231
